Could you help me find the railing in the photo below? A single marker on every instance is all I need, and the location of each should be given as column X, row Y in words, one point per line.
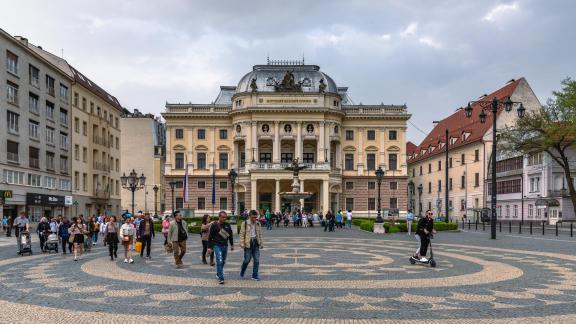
column 282, row 166
column 101, row 166
column 104, row 194
column 12, row 157
column 34, row 163
column 558, row 193
column 100, row 140
column 539, row 226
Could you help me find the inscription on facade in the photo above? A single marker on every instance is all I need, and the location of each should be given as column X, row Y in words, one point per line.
column 289, row 101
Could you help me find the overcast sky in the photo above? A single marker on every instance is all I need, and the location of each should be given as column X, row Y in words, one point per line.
column 432, row 55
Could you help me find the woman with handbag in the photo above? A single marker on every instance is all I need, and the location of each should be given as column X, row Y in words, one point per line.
column 204, row 232
column 77, row 232
column 165, row 226
column 127, row 233
column 111, row 237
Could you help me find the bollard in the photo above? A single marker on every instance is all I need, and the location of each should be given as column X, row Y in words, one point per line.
column 542, row 228
column 462, row 224
column 468, row 224
column 556, row 228
column 520, row 228
column 510, row 227
column 476, row 225
column 483, row 226
column 500, row 226
column 530, row 228
column 571, row 229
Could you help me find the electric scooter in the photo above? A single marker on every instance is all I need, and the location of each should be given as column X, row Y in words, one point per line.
column 430, row 261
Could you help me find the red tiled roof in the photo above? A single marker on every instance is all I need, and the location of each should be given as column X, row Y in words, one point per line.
column 458, row 125
column 411, row 148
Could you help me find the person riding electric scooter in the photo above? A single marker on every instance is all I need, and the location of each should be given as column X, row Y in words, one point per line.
column 424, row 232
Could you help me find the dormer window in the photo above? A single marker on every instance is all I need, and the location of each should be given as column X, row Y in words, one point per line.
column 465, row 136
column 453, row 140
column 306, row 82
column 270, row 82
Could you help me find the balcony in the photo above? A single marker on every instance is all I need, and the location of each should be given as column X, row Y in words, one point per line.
column 101, row 194
column 559, row 193
column 101, row 166
column 100, row 140
column 283, row 166
column 34, row 163
column 12, row 157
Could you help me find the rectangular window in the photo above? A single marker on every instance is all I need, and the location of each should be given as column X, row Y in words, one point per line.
column 13, row 122
column 33, row 129
column 12, row 93
column 50, row 135
column 76, row 99
column 223, row 134
column 223, row 203
column 450, row 184
column 413, row 173
column 77, row 152
column 265, row 157
column 534, row 184
column 63, row 164
column 349, row 185
column 34, row 75
column 223, row 161
column 14, row 177
column 515, row 215
column 34, row 157
column 64, row 141
column 393, row 185
column 530, row 211
column 392, row 135
column 349, row 135
column 201, row 134
column 77, row 125
column 64, row 184
column 84, row 128
column 450, row 162
column 286, row 157
column 201, row 160
column 476, row 155
column 34, row 180
column 476, row 179
column 429, row 187
column 179, row 133
column 76, row 180
column 308, row 157
column 371, row 185
column 201, row 203
column 439, row 185
column 462, row 204
column 117, row 165
column 179, row 161
column 439, row 165
column 223, row 185
column 393, row 203
column 50, row 161
column 12, row 151
column 420, row 170
column 429, row 167
column 63, row 93
column 349, row 203
column 49, row 110
column 371, row 135
column 462, row 181
column 117, row 143
column 349, row 161
column 201, row 185
column 371, row 203
column 392, row 162
column 11, row 62
column 462, row 159
column 178, row 184
column 63, row 116
column 179, row 203
column 85, row 155
column 84, row 182
column 33, row 103
column 50, row 85
column 371, row 161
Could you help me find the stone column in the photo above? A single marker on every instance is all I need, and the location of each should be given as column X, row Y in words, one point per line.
column 327, row 141
column 325, row 196
column 247, row 144
column 276, row 144
column 301, row 190
column 360, row 162
column 212, row 149
column 321, row 144
column 277, row 200
column 254, row 142
column 168, row 146
column 338, row 156
column 253, row 187
column 299, row 143
column 382, row 152
column 190, row 148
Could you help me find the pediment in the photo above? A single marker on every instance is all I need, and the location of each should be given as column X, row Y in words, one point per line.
column 201, row 148
column 179, row 147
column 223, row 148
column 371, row 148
column 349, row 148
column 393, row 149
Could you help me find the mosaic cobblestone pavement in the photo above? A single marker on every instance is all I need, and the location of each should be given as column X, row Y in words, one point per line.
column 307, row 276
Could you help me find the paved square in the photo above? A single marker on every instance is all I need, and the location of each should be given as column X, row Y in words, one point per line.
column 307, row 276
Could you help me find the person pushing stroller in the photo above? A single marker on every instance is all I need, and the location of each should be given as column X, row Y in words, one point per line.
column 423, row 233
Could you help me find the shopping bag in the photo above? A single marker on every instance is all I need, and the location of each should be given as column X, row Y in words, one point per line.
column 138, row 246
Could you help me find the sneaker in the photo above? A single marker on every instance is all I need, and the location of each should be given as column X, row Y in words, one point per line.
column 131, row 261
column 256, row 278
column 241, row 274
column 423, row 259
column 148, row 257
column 125, row 260
column 75, row 259
column 221, row 282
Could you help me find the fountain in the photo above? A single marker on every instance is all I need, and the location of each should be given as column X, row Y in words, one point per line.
column 295, row 195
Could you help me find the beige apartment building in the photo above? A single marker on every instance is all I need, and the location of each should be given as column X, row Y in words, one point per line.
column 279, row 112
column 143, row 150
column 470, row 148
column 95, row 142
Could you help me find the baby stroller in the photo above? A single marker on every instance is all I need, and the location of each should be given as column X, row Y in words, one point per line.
column 24, row 243
column 51, row 243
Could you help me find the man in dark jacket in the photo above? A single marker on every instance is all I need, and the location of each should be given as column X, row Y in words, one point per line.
column 220, row 235
column 424, row 230
column 145, row 234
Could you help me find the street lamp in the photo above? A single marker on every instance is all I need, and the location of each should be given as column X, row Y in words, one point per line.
column 494, row 104
column 232, row 175
column 172, row 185
column 155, row 188
column 446, row 196
column 420, row 188
column 379, row 177
column 132, row 182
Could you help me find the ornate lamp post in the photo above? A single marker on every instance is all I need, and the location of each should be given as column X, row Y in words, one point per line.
column 172, row 185
column 155, row 188
column 232, row 175
column 132, row 182
column 379, row 177
column 495, row 104
column 420, row 188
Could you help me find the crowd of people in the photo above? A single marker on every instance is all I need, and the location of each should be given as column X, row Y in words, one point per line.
column 298, row 218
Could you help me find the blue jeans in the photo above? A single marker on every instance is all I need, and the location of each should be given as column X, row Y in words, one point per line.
column 349, row 223
column 249, row 253
column 269, row 224
column 95, row 237
column 220, row 253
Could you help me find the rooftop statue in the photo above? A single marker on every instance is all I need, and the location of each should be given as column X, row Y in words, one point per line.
column 253, row 85
column 322, row 86
column 288, row 83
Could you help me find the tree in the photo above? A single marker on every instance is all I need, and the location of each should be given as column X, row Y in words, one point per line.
column 550, row 129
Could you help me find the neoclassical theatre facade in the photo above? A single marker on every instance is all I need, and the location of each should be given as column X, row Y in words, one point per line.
column 279, row 112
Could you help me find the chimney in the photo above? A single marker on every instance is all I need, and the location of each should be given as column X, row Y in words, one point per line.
column 24, row 40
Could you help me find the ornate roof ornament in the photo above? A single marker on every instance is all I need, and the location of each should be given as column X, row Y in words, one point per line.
column 322, row 86
column 253, row 85
column 288, row 84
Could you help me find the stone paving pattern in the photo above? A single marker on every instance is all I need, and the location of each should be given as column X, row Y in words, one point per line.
column 308, row 276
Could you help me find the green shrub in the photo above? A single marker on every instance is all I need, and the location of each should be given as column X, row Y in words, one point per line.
column 194, row 229
column 402, row 227
column 357, row 221
column 367, row 225
column 393, row 229
column 441, row 226
column 158, row 227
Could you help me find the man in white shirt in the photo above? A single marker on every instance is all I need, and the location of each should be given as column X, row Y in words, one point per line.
column 349, row 218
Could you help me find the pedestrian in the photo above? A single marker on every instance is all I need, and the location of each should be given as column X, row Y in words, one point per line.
column 93, row 229
column 268, row 219
column 111, row 237
column 204, row 232
column 77, row 232
column 21, row 223
column 177, row 236
column 102, row 229
column 5, row 224
column 127, row 233
column 165, row 226
column 64, row 234
column 138, row 219
column 251, row 242
column 305, row 219
column 218, row 238
column 423, row 231
column 339, row 219
column 331, row 222
column 146, row 234
column 349, row 218
column 43, row 230
column 409, row 220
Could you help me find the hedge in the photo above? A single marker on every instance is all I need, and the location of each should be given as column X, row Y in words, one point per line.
column 368, row 225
